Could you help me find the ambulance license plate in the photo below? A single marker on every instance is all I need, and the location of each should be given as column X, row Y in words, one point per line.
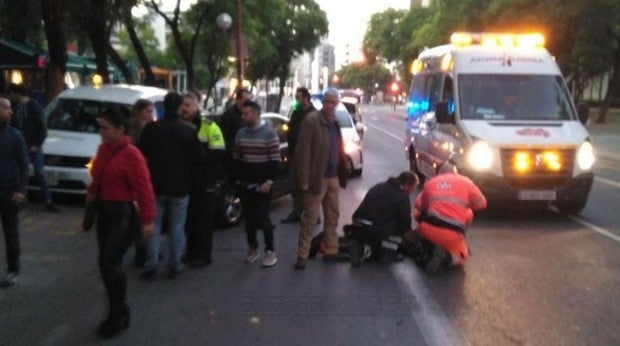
column 537, row 195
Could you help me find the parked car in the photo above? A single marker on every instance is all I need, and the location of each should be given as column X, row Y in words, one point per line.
column 73, row 136
column 228, row 204
column 352, row 134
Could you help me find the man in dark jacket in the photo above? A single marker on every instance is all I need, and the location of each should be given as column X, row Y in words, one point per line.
column 384, row 211
column 13, row 180
column 303, row 107
column 173, row 153
column 28, row 118
column 230, row 123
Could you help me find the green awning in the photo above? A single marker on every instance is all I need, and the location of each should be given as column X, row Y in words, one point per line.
column 19, row 55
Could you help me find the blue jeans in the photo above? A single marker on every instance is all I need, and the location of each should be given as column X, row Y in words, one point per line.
column 175, row 208
column 37, row 161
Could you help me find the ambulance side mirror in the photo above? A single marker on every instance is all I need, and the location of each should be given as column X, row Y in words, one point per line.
column 443, row 115
column 583, row 113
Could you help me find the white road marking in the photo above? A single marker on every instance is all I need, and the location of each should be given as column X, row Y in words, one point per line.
column 386, row 132
column 607, row 181
column 436, row 328
column 596, row 228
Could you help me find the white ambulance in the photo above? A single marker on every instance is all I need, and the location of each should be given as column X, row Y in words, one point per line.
column 498, row 107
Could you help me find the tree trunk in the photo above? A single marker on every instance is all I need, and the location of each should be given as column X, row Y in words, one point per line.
column 613, row 86
column 99, row 36
column 121, row 64
column 149, row 78
column 56, row 44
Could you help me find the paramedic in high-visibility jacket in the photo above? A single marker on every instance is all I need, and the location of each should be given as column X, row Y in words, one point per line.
column 444, row 210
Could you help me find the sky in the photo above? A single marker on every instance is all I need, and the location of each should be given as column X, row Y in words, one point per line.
column 348, row 20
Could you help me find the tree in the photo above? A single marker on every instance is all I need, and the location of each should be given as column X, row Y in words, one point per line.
column 56, row 67
column 364, row 76
column 186, row 46
column 288, row 28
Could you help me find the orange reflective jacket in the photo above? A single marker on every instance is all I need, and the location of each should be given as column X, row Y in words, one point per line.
column 449, row 198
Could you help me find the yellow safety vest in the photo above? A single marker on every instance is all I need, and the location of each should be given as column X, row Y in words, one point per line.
column 211, row 134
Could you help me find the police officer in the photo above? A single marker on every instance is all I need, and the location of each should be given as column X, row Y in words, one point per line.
column 201, row 210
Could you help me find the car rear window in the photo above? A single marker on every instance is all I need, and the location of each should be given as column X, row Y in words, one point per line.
column 81, row 115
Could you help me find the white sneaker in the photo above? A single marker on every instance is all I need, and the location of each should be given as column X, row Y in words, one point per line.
column 270, row 259
column 252, row 256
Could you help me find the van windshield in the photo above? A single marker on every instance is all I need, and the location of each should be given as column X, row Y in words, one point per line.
column 76, row 115
column 513, row 97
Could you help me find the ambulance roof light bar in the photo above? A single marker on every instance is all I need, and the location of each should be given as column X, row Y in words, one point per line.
column 498, row 40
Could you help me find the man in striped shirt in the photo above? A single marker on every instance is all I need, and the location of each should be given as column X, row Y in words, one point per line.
column 256, row 157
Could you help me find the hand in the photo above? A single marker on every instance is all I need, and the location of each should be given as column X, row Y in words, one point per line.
column 147, row 230
column 264, row 188
column 18, row 198
column 303, row 187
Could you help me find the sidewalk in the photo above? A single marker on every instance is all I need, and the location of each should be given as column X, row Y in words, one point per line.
column 606, row 137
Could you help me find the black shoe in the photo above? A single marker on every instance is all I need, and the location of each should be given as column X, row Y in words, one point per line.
column 291, row 218
column 114, row 324
column 356, row 250
column 149, row 275
column 174, row 273
column 337, row 257
column 9, row 280
column 199, row 263
column 51, row 207
column 300, row 264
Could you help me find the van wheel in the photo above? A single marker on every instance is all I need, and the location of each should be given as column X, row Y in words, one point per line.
column 572, row 207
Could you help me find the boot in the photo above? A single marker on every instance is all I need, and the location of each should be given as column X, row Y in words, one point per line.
column 114, row 324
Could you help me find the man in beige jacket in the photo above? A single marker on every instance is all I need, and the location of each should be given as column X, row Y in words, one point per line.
column 321, row 171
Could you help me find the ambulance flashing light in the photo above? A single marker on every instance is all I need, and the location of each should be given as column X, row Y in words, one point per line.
column 498, row 40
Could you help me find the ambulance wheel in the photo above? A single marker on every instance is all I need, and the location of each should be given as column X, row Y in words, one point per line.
column 571, row 207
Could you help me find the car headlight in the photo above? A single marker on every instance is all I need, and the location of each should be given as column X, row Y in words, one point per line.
column 585, row 156
column 480, row 156
column 350, row 146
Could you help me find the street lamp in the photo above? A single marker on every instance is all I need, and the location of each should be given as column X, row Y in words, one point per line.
column 224, row 21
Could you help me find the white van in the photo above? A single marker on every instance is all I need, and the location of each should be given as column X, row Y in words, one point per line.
column 73, row 137
column 498, row 107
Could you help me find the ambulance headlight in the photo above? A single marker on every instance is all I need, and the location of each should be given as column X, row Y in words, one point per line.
column 585, row 156
column 480, row 156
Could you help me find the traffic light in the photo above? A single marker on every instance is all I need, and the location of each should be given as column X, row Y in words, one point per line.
column 395, row 87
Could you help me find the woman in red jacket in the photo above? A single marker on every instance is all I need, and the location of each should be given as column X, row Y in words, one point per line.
column 120, row 178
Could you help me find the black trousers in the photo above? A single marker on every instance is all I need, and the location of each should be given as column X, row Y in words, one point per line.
column 256, row 214
column 116, row 229
column 199, row 225
column 9, row 211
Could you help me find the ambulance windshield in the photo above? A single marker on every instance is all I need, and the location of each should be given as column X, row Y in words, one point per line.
column 513, row 97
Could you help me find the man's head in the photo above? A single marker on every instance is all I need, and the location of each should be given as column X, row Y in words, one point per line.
column 302, row 96
column 250, row 113
column 172, row 103
column 241, row 96
column 189, row 107
column 331, row 97
column 408, row 181
column 16, row 92
column 447, row 167
column 5, row 110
